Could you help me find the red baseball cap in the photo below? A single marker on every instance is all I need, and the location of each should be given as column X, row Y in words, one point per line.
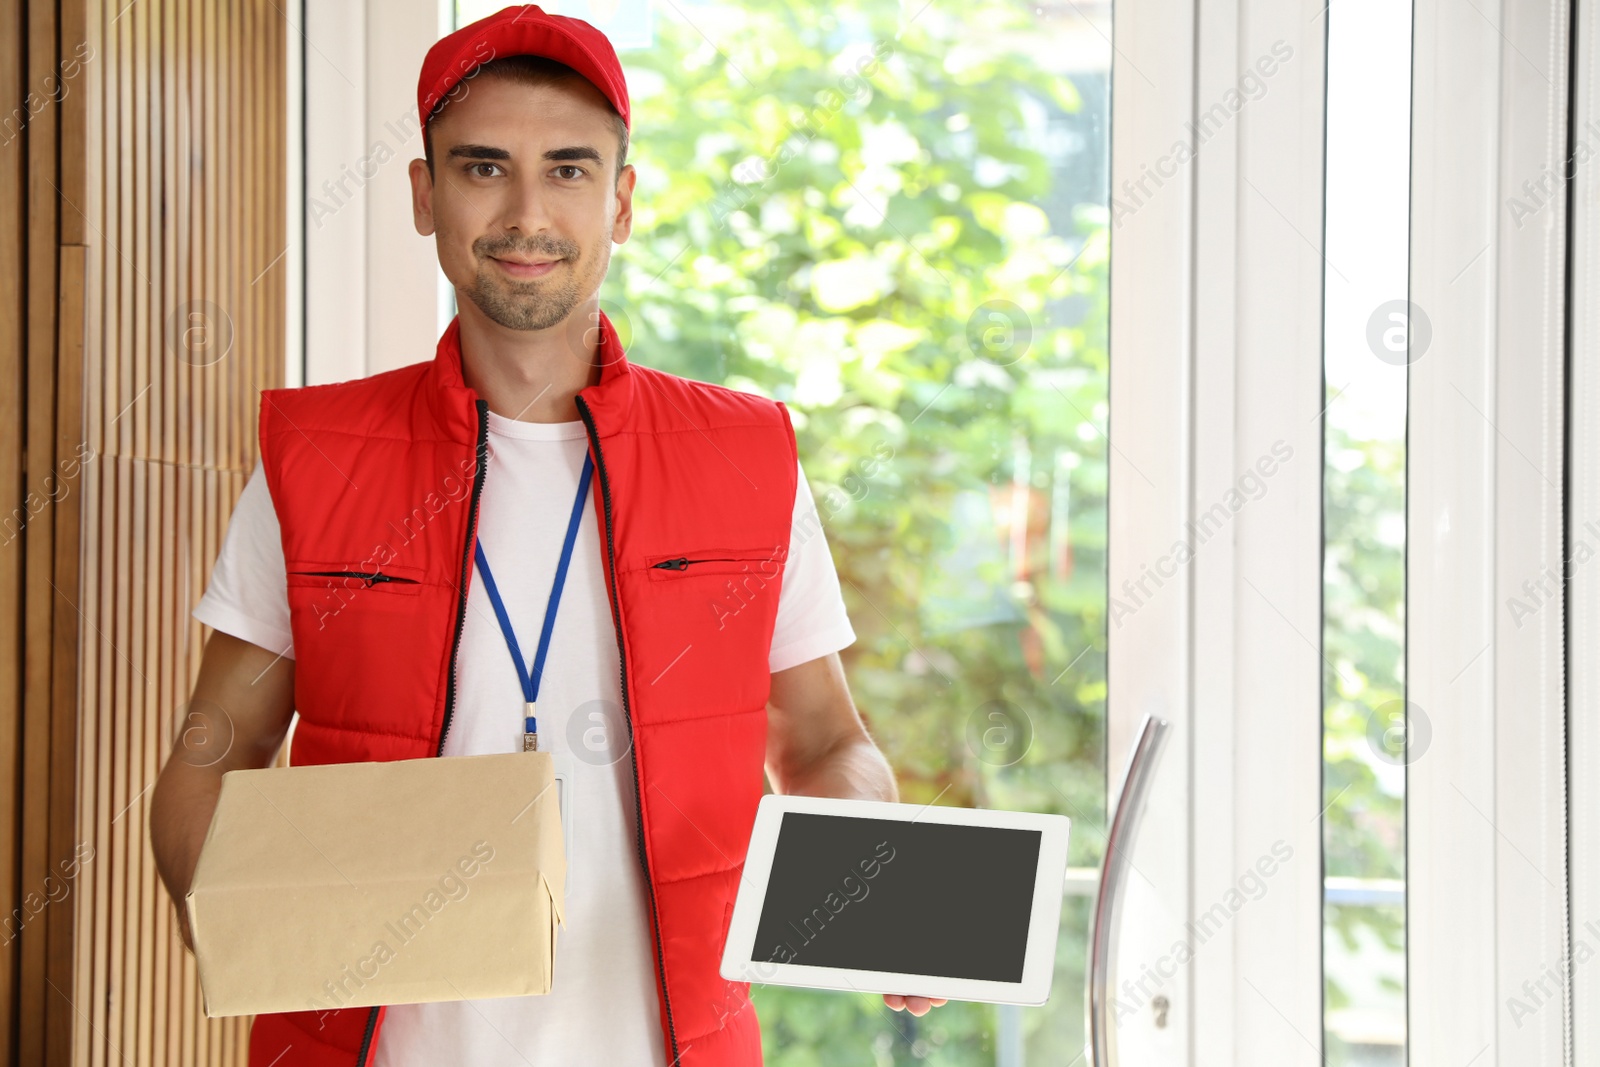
column 523, row 30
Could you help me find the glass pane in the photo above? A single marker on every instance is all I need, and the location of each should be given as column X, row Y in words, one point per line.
column 894, row 219
column 1371, row 335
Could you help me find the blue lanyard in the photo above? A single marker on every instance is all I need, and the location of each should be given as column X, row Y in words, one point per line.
column 530, row 682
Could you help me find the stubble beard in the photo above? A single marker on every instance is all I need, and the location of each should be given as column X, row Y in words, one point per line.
column 535, row 304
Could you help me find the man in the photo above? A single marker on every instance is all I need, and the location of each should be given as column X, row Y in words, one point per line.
column 410, row 539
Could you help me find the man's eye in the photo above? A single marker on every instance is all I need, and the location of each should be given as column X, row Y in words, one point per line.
column 474, row 168
column 571, row 167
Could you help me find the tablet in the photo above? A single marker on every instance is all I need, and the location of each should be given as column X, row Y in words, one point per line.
column 962, row 903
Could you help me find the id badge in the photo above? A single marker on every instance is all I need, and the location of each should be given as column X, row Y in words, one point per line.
column 564, row 772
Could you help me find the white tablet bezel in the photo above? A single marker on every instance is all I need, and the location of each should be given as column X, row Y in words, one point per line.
column 1043, row 924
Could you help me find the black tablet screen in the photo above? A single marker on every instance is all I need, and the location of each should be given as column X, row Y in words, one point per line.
column 910, row 897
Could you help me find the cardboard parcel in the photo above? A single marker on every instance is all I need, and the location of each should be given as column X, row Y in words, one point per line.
column 355, row 884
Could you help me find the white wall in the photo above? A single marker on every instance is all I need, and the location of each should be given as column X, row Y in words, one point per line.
column 372, row 281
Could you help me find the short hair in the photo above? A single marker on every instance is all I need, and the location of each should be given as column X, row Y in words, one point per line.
column 529, row 70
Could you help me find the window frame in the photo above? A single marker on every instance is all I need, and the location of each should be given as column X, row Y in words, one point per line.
column 1488, row 797
column 1584, row 510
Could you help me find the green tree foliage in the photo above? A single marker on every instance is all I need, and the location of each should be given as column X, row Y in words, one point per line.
column 1363, row 676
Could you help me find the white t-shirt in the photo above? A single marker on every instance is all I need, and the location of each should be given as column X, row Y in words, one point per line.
column 602, row 1007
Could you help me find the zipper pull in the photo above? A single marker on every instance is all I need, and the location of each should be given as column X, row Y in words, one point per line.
column 681, row 563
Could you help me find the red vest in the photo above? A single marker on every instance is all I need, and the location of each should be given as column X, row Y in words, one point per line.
column 378, row 481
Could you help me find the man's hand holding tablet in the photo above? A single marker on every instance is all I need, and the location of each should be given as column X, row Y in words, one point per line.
column 915, row 1005
column 933, row 902
column 844, row 888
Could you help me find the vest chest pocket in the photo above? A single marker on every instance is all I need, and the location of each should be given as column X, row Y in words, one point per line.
column 762, row 564
column 344, row 578
column 362, row 593
column 706, row 630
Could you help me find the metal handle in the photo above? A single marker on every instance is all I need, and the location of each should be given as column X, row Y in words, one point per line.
column 1119, row 849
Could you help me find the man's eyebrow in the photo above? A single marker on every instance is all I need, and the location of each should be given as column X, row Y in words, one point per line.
column 477, row 152
column 480, row 151
column 580, row 151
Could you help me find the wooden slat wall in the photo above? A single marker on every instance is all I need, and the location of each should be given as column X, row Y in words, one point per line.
column 146, row 208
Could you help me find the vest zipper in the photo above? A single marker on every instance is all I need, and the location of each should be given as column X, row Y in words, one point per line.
column 682, row 562
column 633, row 748
column 375, row 576
column 366, row 1038
column 455, row 645
column 466, row 567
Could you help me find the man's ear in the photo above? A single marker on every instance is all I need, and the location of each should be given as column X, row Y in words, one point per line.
column 421, row 197
column 623, row 227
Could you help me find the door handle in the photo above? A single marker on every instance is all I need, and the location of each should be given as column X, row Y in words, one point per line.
column 1147, row 748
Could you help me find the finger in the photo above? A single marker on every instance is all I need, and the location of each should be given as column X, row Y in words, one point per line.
column 895, row 1001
